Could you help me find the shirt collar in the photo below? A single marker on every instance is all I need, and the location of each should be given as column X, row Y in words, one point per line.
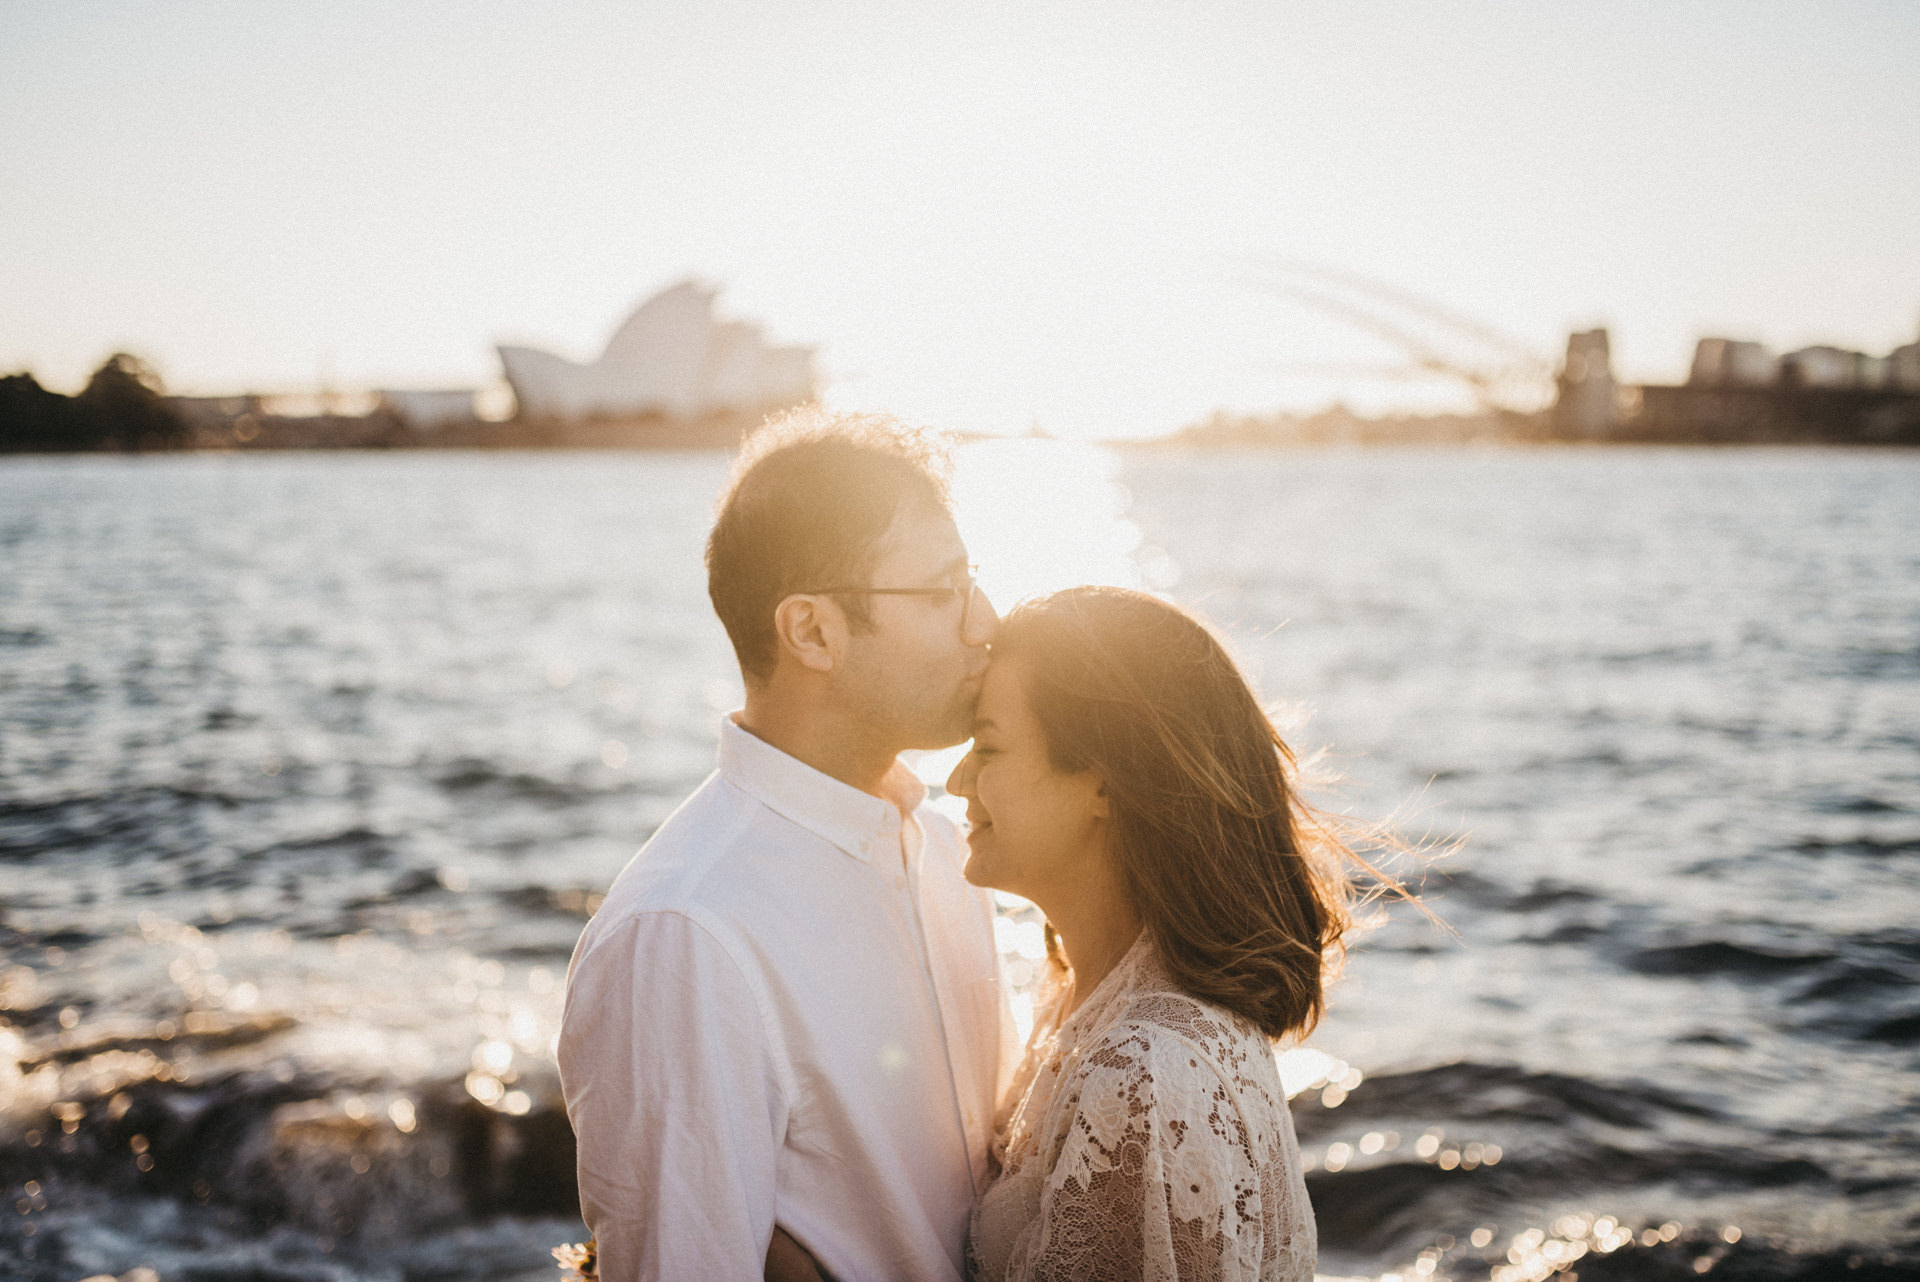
column 857, row 822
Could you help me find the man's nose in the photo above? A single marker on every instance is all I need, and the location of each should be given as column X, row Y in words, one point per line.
column 983, row 621
column 960, row 782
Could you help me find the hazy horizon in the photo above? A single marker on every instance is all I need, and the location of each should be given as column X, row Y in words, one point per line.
column 1048, row 215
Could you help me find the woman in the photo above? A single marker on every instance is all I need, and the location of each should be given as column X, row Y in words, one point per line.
column 1124, row 778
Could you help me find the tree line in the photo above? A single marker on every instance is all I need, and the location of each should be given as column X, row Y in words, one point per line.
column 122, row 407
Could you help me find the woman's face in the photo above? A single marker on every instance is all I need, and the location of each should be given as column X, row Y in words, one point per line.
column 1032, row 829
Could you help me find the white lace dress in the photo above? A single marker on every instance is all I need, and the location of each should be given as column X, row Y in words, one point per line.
column 1147, row 1136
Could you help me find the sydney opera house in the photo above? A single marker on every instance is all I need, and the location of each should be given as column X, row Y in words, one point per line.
column 674, row 358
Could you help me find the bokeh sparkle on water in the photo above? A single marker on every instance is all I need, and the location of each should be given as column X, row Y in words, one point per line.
column 311, row 768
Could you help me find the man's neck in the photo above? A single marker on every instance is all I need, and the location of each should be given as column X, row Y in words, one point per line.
column 819, row 739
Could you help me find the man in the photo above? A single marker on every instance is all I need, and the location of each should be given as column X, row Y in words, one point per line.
column 789, row 1010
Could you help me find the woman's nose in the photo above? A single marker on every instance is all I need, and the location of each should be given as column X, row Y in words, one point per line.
column 960, row 782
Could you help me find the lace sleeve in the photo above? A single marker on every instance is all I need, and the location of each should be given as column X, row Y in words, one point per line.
column 1159, row 1174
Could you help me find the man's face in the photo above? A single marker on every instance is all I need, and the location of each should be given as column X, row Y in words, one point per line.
column 914, row 676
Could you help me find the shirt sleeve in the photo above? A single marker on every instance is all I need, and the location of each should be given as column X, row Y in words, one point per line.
column 676, row 1103
column 1156, row 1177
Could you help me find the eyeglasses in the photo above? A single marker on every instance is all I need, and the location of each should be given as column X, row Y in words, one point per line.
column 965, row 591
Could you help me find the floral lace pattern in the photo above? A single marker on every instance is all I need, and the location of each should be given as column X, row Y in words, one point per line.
column 1146, row 1136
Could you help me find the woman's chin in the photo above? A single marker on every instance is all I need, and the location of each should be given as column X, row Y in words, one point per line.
column 978, row 869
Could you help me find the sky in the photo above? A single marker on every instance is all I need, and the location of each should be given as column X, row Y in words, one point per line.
column 988, row 217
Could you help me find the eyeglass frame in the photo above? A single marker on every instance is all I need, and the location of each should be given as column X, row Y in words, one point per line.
column 971, row 590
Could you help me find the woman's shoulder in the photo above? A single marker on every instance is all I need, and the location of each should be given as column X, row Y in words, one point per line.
column 1154, row 1004
column 1167, row 1013
column 1171, row 1037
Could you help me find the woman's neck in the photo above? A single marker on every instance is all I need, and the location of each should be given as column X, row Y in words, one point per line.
column 1097, row 924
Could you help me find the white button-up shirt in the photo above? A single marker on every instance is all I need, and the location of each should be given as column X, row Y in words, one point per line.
column 789, row 1010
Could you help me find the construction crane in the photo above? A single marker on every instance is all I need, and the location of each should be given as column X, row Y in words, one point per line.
column 1503, row 373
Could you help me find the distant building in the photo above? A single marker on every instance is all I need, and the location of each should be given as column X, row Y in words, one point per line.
column 1723, row 362
column 1738, row 392
column 1903, row 368
column 1827, row 367
column 1587, row 408
column 1726, row 362
column 671, row 357
column 428, row 409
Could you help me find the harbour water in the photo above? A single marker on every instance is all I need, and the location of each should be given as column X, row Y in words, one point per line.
column 312, row 766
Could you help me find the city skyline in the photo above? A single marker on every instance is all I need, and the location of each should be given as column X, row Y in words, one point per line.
column 1058, row 216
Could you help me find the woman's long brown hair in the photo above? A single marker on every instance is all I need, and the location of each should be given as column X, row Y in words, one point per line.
column 1244, row 888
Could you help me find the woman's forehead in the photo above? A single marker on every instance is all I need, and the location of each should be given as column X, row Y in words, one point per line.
column 1003, row 696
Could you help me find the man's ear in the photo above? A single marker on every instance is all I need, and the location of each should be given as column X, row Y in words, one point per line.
column 812, row 629
column 1101, row 808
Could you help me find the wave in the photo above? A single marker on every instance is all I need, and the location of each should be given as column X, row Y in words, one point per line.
column 1475, row 1091
column 475, row 775
column 1866, row 847
column 1901, row 1030
column 130, row 821
column 1720, row 957
column 1600, row 1248
column 202, row 1032
column 1548, row 893
column 357, row 1160
column 1853, row 804
column 1488, row 892
column 1877, row 664
column 1849, row 982
column 1657, row 656
column 363, row 846
column 563, row 901
column 1407, row 1160
column 1383, row 1209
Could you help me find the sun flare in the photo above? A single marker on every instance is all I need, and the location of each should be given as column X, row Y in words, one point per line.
column 1040, row 515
